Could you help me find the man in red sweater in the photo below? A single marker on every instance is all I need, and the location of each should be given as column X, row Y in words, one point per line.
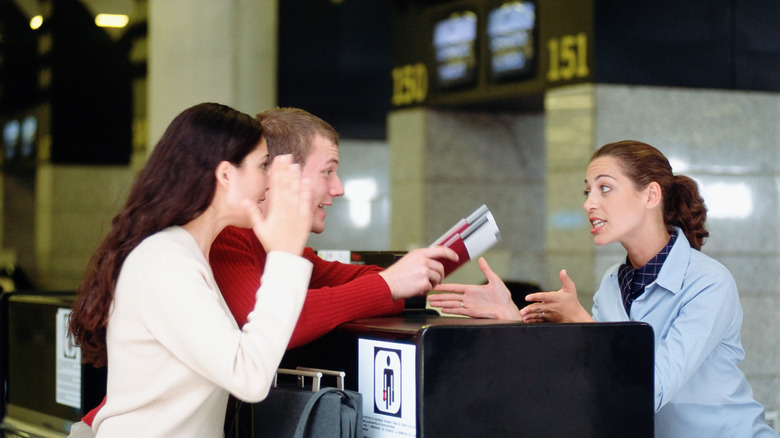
column 338, row 292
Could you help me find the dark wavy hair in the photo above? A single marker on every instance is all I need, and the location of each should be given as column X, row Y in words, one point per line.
column 175, row 186
column 683, row 205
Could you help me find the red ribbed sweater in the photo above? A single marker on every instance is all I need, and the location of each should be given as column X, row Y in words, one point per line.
column 338, row 292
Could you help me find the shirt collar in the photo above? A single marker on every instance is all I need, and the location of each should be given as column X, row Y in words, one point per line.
column 633, row 280
column 672, row 272
column 648, row 272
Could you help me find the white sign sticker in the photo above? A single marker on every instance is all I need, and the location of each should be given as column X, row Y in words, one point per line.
column 68, row 364
column 387, row 382
column 335, row 255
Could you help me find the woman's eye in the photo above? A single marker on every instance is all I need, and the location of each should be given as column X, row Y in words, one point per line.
column 602, row 189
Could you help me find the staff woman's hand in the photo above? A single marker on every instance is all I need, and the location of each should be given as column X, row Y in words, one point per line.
column 286, row 219
column 491, row 300
column 559, row 306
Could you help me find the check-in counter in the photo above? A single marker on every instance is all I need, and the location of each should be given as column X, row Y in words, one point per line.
column 45, row 386
column 424, row 375
column 420, row 374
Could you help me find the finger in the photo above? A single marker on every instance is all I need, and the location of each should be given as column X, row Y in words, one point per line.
column 534, row 320
column 529, row 319
column 307, row 193
column 435, row 277
column 529, row 310
column 443, row 298
column 281, row 161
column 451, row 287
column 284, row 173
column 541, row 296
column 455, row 302
column 435, row 271
column 453, row 310
column 451, row 306
column 290, row 174
column 533, row 316
column 281, row 177
column 438, row 252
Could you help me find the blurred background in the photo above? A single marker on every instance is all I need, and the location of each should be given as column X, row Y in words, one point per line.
column 441, row 106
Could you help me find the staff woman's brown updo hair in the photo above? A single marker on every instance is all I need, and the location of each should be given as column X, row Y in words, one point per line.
column 175, row 186
column 683, row 205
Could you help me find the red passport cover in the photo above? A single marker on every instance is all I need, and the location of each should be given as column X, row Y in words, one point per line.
column 469, row 237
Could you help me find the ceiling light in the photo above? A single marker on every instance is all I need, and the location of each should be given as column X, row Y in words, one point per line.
column 36, row 21
column 111, row 20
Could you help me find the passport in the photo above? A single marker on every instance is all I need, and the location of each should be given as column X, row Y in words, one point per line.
column 470, row 237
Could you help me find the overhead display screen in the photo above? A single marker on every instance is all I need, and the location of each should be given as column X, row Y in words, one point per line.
column 502, row 54
column 511, row 30
column 455, row 48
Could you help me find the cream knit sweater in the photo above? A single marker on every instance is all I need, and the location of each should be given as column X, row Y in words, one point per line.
column 174, row 349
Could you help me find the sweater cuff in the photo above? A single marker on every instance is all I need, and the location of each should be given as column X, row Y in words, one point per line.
column 285, row 278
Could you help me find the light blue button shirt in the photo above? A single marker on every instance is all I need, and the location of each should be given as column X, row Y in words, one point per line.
column 693, row 307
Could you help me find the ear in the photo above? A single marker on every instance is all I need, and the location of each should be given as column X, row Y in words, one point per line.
column 224, row 173
column 654, row 194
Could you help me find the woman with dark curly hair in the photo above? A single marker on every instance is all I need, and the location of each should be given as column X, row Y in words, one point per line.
column 149, row 307
column 689, row 299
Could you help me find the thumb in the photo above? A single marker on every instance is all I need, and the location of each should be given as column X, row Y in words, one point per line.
column 253, row 210
column 485, row 268
column 566, row 282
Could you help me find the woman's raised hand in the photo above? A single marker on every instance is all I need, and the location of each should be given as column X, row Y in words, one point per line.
column 285, row 222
